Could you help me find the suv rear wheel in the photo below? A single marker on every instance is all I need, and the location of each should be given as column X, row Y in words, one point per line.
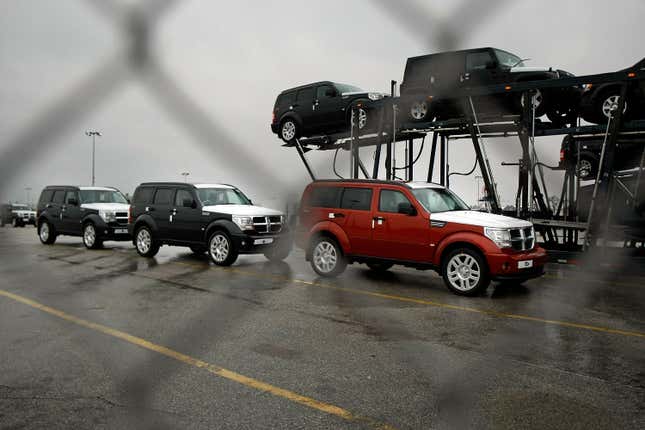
column 327, row 258
column 90, row 237
column 145, row 243
column 362, row 118
column 288, row 130
column 606, row 104
column 419, row 111
column 221, row 249
column 46, row 233
column 465, row 273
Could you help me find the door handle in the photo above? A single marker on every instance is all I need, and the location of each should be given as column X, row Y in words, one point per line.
column 48, row 205
column 336, row 215
column 464, row 77
column 149, row 209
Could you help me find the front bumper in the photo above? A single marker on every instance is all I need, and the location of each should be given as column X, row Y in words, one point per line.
column 505, row 264
column 256, row 244
column 114, row 232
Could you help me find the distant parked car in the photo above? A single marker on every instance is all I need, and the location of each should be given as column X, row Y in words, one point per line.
column 322, row 108
column 627, row 154
column 429, row 80
column 19, row 215
column 97, row 214
column 217, row 219
column 598, row 100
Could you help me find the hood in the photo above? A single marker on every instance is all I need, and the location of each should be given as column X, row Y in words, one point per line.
column 483, row 219
column 116, row 207
column 531, row 69
column 242, row 210
column 24, row 211
column 372, row 95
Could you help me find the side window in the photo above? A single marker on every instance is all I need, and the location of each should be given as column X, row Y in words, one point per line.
column 287, row 99
column 321, row 92
column 478, row 60
column 305, row 95
column 143, row 195
column 46, row 196
column 163, row 196
column 59, row 196
column 181, row 196
column 70, row 195
column 357, row 199
column 325, row 197
column 389, row 200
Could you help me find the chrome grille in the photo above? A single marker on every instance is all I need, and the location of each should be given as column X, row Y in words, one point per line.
column 523, row 239
column 267, row 224
column 121, row 218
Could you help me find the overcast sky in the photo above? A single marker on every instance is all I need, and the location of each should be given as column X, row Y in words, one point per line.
column 233, row 58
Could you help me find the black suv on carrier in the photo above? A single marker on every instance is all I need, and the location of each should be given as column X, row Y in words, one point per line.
column 97, row 214
column 214, row 218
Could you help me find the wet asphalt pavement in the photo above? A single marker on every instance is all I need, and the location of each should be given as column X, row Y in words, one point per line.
column 106, row 339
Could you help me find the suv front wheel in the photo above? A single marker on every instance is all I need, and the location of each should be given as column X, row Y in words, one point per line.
column 221, row 249
column 90, row 237
column 46, row 233
column 327, row 258
column 145, row 243
column 465, row 273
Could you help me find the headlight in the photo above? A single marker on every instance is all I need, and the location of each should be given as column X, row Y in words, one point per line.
column 243, row 222
column 108, row 216
column 375, row 96
column 501, row 236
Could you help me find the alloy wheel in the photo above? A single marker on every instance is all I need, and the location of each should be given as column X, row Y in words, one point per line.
column 219, row 248
column 463, row 272
column 362, row 118
column 44, row 232
column 89, row 235
column 325, row 257
column 419, row 110
column 584, row 169
column 144, row 241
column 288, row 130
column 610, row 105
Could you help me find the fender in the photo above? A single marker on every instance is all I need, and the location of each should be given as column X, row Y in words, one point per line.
column 44, row 217
column 290, row 114
column 484, row 244
column 96, row 220
column 147, row 220
column 341, row 236
column 224, row 224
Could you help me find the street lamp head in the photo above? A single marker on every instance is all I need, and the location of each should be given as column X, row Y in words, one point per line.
column 92, row 133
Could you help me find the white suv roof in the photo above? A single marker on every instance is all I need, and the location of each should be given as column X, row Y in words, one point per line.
column 213, row 186
column 96, row 189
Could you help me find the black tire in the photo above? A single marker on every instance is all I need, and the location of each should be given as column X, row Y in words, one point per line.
column 198, row 249
column 380, row 267
column 419, row 111
column 145, row 242
column 587, row 168
column 46, row 233
column 364, row 118
column 458, row 270
column 598, row 114
column 289, row 130
column 560, row 117
column 541, row 109
column 16, row 223
column 221, row 248
column 277, row 253
column 327, row 258
column 91, row 238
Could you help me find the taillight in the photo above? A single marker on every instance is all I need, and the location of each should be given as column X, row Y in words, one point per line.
column 562, row 155
column 130, row 220
column 273, row 117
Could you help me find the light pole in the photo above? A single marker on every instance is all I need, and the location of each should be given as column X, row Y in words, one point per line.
column 93, row 134
column 28, row 189
column 185, row 175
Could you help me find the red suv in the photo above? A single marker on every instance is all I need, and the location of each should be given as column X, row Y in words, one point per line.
column 415, row 224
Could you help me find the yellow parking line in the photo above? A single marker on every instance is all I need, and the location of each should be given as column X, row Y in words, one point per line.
column 432, row 303
column 214, row 369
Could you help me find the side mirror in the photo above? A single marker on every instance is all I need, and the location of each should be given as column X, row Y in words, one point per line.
column 189, row 203
column 331, row 93
column 72, row 202
column 406, row 208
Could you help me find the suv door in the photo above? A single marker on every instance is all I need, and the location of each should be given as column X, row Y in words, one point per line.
column 355, row 218
column 482, row 69
column 328, row 106
column 304, row 107
column 161, row 210
column 71, row 212
column 186, row 221
column 54, row 207
column 399, row 236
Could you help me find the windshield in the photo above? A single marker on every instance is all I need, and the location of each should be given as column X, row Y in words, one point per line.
column 436, row 200
column 102, row 196
column 222, row 196
column 344, row 88
column 506, row 59
column 21, row 207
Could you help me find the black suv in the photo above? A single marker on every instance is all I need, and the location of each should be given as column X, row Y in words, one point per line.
column 598, row 100
column 97, row 214
column 214, row 218
column 429, row 81
column 627, row 155
column 322, row 108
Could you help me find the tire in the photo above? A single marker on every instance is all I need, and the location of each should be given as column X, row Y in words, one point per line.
column 603, row 103
column 363, row 119
column 465, row 272
column 277, row 253
column 91, row 239
column 380, row 267
column 198, row 249
column 15, row 223
column 289, row 130
column 560, row 117
column 145, row 243
column 327, row 257
column 419, row 111
column 221, row 248
column 587, row 168
column 46, row 233
column 540, row 109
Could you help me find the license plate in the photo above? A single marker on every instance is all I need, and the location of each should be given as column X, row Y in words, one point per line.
column 263, row 241
column 120, row 231
column 526, row 264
